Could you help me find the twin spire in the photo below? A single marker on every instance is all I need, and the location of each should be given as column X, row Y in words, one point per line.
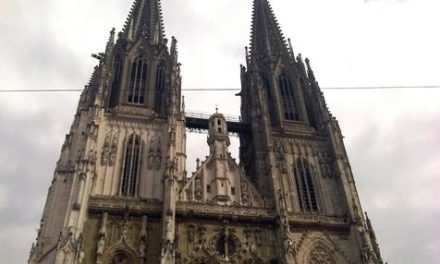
column 145, row 20
column 267, row 40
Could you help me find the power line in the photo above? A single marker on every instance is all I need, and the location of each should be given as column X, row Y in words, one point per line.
column 237, row 89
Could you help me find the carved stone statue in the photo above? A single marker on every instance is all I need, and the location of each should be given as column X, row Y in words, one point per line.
column 142, row 249
column 290, row 246
column 100, row 248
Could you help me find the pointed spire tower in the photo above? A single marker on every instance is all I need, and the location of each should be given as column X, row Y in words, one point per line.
column 267, row 40
column 295, row 154
column 113, row 195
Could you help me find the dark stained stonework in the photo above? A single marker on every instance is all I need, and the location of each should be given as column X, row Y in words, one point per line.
column 121, row 194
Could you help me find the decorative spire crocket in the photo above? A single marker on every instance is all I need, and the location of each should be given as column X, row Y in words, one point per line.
column 267, row 40
column 145, row 20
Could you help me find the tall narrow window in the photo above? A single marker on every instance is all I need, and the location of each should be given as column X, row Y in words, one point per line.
column 138, row 81
column 288, row 98
column 130, row 174
column 117, row 74
column 304, row 183
column 269, row 99
column 160, row 87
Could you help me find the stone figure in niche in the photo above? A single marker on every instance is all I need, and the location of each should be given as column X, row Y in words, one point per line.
column 124, row 231
column 201, row 240
column 169, row 226
column 280, row 156
column 79, row 155
column 172, row 135
column 198, row 188
column 92, row 156
column 113, row 150
column 105, row 150
column 158, row 158
column 290, row 246
column 150, row 160
column 246, row 242
column 93, row 129
column 151, row 153
column 142, row 249
column 81, row 257
column 100, row 248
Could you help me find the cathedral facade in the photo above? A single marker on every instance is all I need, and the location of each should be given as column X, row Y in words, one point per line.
column 121, row 193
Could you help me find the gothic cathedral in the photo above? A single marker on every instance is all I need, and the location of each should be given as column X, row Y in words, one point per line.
column 120, row 192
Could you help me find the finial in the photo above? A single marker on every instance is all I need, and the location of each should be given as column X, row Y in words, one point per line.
column 309, row 69
column 307, row 62
column 183, row 103
column 198, row 163
column 247, row 56
column 291, row 49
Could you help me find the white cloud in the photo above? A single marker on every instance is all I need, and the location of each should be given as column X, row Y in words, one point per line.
column 392, row 137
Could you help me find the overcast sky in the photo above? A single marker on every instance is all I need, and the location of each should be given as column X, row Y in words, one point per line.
column 392, row 136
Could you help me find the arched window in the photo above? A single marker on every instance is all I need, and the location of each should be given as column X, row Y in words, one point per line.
column 131, row 169
column 160, row 86
column 138, row 81
column 305, row 187
column 288, row 98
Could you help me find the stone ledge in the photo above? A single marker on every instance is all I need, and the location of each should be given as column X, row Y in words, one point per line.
column 210, row 211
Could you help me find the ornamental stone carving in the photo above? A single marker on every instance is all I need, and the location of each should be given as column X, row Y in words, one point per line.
column 320, row 255
column 109, row 149
column 154, row 156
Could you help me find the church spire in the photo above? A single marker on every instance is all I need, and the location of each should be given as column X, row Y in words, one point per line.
column 145, row 20
column 267, row 40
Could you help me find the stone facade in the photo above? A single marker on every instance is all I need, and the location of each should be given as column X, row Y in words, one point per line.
column 121, row 194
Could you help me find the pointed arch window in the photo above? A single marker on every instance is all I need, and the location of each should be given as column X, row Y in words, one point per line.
column 305, row 186
column 288, row 98
column 131, row 166
column 160, row 86
column 138, row 81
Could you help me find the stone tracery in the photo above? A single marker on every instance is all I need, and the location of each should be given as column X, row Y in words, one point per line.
column 320, row 255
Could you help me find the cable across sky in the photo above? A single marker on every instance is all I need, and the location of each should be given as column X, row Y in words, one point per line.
column 237, row 89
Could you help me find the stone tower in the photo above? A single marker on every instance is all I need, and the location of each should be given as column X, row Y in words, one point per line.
column 120, row 192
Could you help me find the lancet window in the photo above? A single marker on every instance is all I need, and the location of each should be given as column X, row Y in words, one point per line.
column 305, row 186
column 160, row 86
column 288, row 98
column 131, row 167
column 138, row 81
column 270, row 100
column 117, row 74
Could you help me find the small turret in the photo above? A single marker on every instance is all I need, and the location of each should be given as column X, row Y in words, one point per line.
column 218, row 139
